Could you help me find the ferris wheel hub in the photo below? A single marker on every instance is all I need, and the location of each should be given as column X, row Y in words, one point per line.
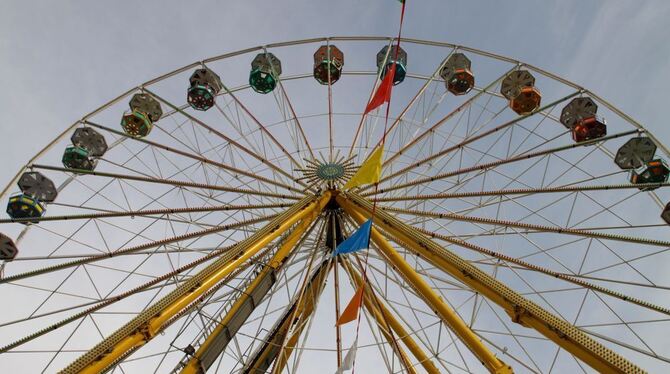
column 331, row 173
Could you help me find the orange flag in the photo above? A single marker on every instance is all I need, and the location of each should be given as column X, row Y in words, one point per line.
column 350, row 313
column 383, row 94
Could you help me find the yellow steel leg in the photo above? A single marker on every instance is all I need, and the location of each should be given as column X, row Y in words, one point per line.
column 520, row 309
column 387, row 319
column 195, row 364
column 148, row 323
column 297, row 316
column 448, row 315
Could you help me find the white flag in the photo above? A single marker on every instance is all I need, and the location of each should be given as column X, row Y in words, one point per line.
column 348, row 362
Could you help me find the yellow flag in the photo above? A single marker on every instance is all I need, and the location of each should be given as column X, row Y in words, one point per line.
column 369, row 172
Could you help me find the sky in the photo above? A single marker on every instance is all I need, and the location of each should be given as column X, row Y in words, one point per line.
column 61, row 60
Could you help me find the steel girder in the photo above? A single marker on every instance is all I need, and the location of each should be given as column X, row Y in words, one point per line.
column 154, row 319
column 218, row 339
column 520, row 309
column 423, row 289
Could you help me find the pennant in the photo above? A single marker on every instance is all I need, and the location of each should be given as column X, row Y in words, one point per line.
column 369, row 172
column 350, row 313
column 383, row 94
column 348, row 362
column 360, row 239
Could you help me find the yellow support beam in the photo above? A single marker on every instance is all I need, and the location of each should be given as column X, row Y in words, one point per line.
column 386, row 319
column 302, row 309
column 147, row 324
column 448, row 315
column 196, row 363
column 521, row 310
column 371, row 307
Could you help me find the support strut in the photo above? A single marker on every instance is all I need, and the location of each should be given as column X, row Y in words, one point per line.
column 388, row 321
column 217, row 341
column 423, row 289
column 154, row 319
column 302, row 308
column 520, row 309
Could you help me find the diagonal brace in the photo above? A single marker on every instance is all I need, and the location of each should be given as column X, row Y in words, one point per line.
column 386, row 319
column 521, row 310
column 154, row 319
column 222, row 334
column 446, row 313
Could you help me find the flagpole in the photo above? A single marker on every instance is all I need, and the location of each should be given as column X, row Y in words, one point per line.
column 390, row 76
column 338, row 330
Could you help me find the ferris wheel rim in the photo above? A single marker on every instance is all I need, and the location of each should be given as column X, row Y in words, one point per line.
column 202, row 62
column 302, row 76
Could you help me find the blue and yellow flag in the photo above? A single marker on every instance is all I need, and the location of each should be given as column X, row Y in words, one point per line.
column 357, row 241
column 369, row 172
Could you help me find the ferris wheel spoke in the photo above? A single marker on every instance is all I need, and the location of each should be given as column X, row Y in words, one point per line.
column 415, row 310
column 267, row 351
column 463, row 183
column 148, row 212
column 195, row 305
column 389, row 325
column 546, row 252
column 505, row 352
column 258, row 286
column 456, row 261
column 261, row 127
column 487, row 166
column 460, row 183
column 138, row 248
column 166, row 181
column 522, row 191
column 282, row 282
column 248, row 248
column 426, row 107
column 235, row 121
column 297, row 315
column 627, row 346
column 446, row 118
column 232, row 170
column 476, row 137
column 190, row 182
column 405, row 290
column 295, row 118
column 529, row 226
column 570, row 279
column 446, row 313
column 515, row 337
column 135, row 234
column 375, row 86
column 227, row 139
column 501, row 200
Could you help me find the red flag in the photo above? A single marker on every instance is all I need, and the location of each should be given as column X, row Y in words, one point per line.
column 383, row 94
column 350, row 313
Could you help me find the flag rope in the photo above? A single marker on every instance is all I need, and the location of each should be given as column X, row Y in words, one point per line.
column 391, row 72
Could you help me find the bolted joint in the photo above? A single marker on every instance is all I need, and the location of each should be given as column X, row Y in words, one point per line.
column 146, row 331
column 517, row 315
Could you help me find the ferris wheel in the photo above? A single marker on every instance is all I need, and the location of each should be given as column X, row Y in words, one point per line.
column 521, row 222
